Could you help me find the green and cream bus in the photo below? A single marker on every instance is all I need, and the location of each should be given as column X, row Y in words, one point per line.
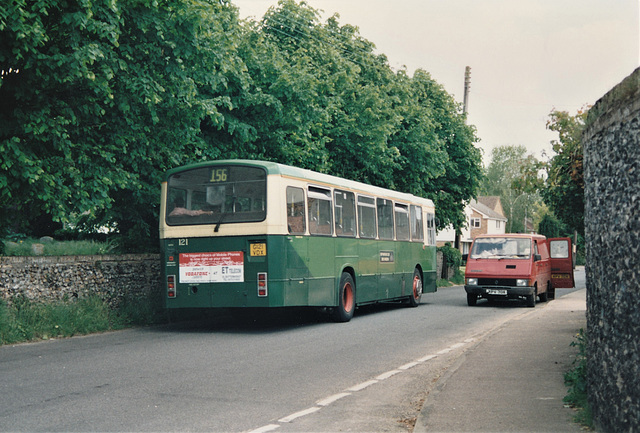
column 241, row 233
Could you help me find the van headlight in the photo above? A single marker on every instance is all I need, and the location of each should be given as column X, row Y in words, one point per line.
column 472, row 281
column 522, row 283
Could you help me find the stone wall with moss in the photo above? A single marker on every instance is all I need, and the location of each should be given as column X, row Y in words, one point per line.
column 612, row 233
column 50, row 279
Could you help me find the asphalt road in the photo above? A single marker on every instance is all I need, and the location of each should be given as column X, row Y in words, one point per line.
column 273, row 372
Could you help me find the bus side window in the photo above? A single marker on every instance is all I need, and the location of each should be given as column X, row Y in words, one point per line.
column 385, row 219
column 345, row 210
column 296, row 220
column 417, row 228
column 367, row 217
column 431, row 229
column 402, row 222
column 320, row 211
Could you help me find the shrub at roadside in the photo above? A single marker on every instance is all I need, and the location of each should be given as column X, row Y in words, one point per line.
column 23, row 246
column 576, row 380
column 26, row 320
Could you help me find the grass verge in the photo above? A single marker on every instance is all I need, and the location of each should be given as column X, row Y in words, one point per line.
column 576, row 382
column 25, row 320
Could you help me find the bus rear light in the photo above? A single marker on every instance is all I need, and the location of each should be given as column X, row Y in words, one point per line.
column 262, row 284
column 171, row 286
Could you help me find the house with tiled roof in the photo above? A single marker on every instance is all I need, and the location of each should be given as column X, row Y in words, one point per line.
column 484, row 216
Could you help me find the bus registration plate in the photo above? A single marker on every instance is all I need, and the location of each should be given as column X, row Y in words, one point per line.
column 258, row 250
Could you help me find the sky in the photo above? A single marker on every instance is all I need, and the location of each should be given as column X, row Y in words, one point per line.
column 527, row 57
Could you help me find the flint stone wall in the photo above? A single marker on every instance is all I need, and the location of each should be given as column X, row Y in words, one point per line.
column 50, row 279
column 612, row 231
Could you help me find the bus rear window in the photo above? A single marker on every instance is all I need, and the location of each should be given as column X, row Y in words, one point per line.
column 217, row 195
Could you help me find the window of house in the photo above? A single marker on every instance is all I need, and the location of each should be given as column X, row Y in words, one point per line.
column 476, row 223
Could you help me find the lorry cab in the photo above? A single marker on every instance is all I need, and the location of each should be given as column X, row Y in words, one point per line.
column 518, row 266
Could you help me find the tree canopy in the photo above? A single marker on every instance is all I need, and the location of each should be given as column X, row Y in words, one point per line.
column 564, row 189
column 101, row 97
column 514, row 176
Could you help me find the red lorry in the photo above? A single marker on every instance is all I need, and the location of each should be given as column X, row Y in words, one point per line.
column 518, row 266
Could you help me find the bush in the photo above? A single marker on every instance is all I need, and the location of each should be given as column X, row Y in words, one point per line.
column 451, row 259
column 22, row 246
column 26, row 320
column 576, row 380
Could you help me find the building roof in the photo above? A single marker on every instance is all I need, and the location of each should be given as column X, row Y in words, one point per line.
column 486, row 211
column 491, row 201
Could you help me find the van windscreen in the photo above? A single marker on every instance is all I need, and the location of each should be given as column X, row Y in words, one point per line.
column 501, row 248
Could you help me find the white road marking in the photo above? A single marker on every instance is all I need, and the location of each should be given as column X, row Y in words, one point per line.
column 388, row 374
column 409, row 365
column 333, row 398
column 362, row 386
column 327, row 401
column 300, row 414
column 266, row 428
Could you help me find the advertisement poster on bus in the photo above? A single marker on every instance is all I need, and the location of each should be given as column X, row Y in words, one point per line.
column 218, row 267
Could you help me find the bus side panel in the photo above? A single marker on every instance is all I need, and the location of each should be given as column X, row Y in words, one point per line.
column 321, row 263
column 346, row 256
column 296, row 269
column 389, row 277
column 429, row 269
column 366, row 278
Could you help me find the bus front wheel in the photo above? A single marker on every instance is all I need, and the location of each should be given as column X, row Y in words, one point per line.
column 346, row 299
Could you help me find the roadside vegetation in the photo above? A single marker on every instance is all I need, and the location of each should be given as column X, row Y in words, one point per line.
column 21, row 245
column 25, row 320
column 576, row 382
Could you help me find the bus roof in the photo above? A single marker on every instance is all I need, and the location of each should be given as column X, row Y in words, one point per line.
column 274, row 168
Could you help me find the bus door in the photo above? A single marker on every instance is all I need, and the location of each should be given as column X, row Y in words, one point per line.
column 321, row 248
column 561, row 263
column 296, row 250
column 388, row 280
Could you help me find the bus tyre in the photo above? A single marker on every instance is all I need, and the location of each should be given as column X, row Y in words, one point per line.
column 346, row 299
column 472, row 299
column 416, row 289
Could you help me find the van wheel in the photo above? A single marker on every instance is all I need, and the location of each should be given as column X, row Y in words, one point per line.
column 416, row 289
column 551, row 292
column 472, row 299
column 544, row 296
column 346, row 299
column 531, row 299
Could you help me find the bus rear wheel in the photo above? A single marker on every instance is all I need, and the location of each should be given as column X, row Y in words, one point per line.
column 346, row 299
column 416, row 289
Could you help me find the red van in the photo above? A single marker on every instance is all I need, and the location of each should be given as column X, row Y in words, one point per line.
column 518, row 266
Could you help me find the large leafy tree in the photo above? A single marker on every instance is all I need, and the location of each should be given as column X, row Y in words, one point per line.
column 107, row 96
column 514, row 176
column 564, row 189
column 100, row 97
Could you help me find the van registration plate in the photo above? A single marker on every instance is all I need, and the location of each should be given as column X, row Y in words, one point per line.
column 496, row 291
